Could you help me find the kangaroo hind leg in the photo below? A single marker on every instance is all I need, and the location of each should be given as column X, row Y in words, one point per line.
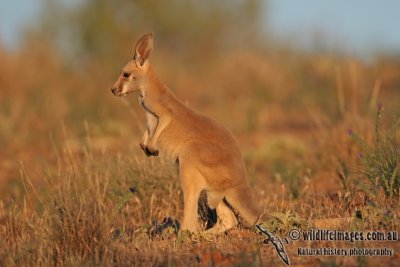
column 226, row 219
column 192, row 184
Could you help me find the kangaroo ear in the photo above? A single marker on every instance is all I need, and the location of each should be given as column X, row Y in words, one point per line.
column 143, row 49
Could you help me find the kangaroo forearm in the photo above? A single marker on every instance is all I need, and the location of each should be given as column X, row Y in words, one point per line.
column 152, row 122
column 163, row 122
column 145, row 138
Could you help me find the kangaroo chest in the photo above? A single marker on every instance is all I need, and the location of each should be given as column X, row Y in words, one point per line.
column 146, row 106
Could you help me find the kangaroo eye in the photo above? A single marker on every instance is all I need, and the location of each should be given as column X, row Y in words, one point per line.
column 126, row 74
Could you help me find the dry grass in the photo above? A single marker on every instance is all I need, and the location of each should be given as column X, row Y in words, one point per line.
column 70, row 156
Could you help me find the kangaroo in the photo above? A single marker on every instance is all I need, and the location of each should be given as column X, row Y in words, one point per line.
column 206, row 152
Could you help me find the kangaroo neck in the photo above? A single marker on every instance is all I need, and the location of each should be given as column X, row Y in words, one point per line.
column 155, row 88
column 157, row 98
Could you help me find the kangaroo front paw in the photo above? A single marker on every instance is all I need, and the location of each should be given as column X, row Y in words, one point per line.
column 143, row 146
column 145, row 150
column 151, row 151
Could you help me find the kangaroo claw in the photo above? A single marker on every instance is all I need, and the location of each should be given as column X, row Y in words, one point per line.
column 150, row 152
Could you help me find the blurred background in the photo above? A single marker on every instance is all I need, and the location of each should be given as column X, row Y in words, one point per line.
column 297, row 82
column 273, row 71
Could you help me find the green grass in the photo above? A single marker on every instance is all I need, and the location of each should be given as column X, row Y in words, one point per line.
column 381, row 160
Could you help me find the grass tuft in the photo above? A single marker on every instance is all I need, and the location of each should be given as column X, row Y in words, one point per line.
column 381, row 161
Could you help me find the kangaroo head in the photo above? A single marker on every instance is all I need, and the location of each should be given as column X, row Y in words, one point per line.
column 133, row 76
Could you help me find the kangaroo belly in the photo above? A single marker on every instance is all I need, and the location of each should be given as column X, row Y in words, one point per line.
column 171, row 141
column 208, row 146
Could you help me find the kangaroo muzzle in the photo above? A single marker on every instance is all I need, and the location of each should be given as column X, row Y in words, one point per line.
column 116, row 91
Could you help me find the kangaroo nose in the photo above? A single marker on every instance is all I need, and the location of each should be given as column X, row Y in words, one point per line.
column 113, row 90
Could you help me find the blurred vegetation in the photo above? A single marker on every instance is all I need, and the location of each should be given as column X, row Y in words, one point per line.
column 106, row 30
column 70, row 149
